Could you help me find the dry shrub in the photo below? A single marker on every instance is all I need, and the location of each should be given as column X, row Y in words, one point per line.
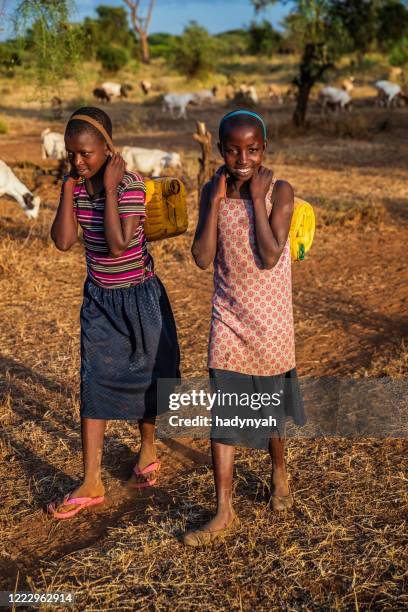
column 351, row 125
column 349, row 213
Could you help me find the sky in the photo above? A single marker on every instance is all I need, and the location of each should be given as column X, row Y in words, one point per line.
column 173, row 15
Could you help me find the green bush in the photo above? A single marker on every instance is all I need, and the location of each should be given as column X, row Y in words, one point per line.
column 399, row 53
column 263, row 39
column 161, row 44
column 194, row 52
column 11, row 56
column 110, row 28
column 112, row 58
column 233, row 42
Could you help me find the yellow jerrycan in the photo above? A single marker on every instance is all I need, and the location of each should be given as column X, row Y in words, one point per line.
column 302, row 229
column 166, row 208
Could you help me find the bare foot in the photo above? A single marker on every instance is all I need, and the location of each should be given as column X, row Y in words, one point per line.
column 220, row 521
column 216, row 528
column 279, row 482
column 85, row 490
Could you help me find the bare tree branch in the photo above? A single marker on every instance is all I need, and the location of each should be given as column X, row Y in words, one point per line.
column 141, row 24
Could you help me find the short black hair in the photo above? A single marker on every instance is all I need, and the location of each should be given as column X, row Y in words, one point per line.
column 238, row 121
column 76, row 126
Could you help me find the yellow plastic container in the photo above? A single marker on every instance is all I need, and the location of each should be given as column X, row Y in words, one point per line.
column 302, row 229
column 166, row 208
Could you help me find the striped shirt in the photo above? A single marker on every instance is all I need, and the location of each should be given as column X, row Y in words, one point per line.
column 135, row 264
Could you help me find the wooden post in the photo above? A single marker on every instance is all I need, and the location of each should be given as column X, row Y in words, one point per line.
column 204, row 138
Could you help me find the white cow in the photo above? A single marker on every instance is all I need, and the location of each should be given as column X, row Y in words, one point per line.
column 53, row 145
column 179, row 102
column 389, row 93
column 334, row 98
column 12, row 186
column 150, row 162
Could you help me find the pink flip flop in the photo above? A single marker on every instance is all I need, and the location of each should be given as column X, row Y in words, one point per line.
column 80, row 502
column 152, row 467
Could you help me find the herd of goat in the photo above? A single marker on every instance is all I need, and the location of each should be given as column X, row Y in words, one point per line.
column 153, row 162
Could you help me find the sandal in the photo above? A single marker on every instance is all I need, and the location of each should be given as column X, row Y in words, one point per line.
column 200, row 537
column 148, row 482
column 80, row 502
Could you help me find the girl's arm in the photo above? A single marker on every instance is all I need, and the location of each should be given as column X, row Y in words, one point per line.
column 204, row 246
column 64, row 230
column 118, row 231
column 271, row 233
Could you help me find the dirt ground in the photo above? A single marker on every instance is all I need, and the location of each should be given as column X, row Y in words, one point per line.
column 342, row 547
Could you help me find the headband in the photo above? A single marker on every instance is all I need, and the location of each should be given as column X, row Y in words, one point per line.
column 245, row 112
column 97, row 126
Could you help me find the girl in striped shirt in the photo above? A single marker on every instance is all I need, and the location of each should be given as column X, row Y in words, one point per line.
column 128, row 334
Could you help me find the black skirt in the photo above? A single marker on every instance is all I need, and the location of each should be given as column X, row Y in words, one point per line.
column 249, row 410
column 128, row 342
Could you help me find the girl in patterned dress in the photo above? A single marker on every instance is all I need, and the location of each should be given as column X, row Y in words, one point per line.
column 128, row 334
column 243, row 228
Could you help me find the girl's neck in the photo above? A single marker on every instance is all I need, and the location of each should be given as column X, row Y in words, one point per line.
column 95, row 184
column 237, row 188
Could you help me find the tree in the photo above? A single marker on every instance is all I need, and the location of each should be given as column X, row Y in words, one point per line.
column 110, row 29
column 392, row 25
column 53, row 44
column 141, row 25
column 358, row 19
column 319, row 38
column 263, row 39
column 193, row 52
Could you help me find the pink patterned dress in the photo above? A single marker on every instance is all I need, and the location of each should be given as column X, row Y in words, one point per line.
column 252, row 317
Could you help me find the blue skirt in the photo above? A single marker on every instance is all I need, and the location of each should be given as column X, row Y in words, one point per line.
column 251, row 409
column 128, row 342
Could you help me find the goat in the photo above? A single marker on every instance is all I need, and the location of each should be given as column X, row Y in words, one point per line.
column 145, row 86
column 173, row 102
column 389, row 94
column 53, row 145
column 150, row 162
column 56, row 107
column 334, row 99
column 116, row 90
column 10, row 185
column 101, row 95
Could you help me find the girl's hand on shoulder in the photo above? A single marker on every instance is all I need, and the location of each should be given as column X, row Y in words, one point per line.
column 72, row 178
column 219, row 185
column 260, row 183
column 114, row 171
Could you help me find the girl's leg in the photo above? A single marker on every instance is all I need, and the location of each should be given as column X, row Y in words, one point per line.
column 279, row 477
column 147, row 453
column 92, row 431
column 223, row 466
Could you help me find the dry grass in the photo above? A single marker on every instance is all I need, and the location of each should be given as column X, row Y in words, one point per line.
column 343, row 547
